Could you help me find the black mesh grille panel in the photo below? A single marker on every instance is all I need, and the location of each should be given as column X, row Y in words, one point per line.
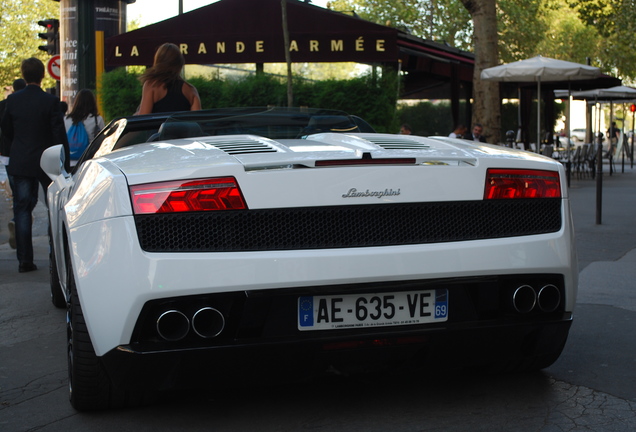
column 346, row 226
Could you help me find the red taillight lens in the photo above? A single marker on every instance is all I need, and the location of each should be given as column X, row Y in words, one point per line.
column 187, row 196
column 520, row 183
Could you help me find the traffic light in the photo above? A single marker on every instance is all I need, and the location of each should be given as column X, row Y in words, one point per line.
column 52, row 36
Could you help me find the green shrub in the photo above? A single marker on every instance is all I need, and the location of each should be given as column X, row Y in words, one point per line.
column 370, row 97
column 120, row 93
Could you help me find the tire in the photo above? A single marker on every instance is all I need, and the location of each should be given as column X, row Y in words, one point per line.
column 57, row 296
column 89, row 386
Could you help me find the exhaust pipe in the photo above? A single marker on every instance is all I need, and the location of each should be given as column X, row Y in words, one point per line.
column 208, row 322
column 524, row 299
column 173, row 325
column 549, row 298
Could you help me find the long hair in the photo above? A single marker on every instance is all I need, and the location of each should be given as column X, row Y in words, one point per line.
column 83, row 106
column 167, row 65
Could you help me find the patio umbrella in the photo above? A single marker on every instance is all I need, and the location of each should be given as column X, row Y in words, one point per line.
column 540, row 69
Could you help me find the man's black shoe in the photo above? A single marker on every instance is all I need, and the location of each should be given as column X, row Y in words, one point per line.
column 27, row 267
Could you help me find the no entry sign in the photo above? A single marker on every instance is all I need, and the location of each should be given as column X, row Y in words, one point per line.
column 53, row 67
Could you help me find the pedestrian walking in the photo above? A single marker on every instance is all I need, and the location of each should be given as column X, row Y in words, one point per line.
column 32, row 122
column 82, row 124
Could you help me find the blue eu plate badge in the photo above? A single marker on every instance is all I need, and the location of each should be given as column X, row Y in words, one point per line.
column 306, row 311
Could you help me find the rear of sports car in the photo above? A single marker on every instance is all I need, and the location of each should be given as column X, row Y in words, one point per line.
column 229, row 258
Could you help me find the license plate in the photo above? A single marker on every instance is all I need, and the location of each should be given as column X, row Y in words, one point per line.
column 372, row 310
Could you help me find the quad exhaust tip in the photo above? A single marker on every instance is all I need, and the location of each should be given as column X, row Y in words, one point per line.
column 173, row 325
column 525, row 299
column 549, row 298
column 208, row 322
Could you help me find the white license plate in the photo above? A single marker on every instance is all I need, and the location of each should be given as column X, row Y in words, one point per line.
column 372, row 310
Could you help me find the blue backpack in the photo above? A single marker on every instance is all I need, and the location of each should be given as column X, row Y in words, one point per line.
column 77, row 139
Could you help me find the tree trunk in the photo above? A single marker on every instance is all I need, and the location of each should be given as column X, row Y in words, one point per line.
column 487, row 103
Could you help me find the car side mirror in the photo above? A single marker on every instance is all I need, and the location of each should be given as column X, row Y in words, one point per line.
column 52, row 161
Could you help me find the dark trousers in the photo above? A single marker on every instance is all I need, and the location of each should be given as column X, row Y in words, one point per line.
column 25, row 198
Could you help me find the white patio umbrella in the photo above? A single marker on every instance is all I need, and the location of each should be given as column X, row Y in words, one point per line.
column 540, row 69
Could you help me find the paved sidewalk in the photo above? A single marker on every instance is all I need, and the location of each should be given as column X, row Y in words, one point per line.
column 606, row 251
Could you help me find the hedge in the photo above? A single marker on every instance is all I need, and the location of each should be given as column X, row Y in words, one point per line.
column 371, row 97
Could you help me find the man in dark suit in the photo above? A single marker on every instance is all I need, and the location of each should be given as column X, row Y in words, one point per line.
column 32, row 123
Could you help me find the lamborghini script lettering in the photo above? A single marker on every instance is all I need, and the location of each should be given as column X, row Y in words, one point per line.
column 353, row 193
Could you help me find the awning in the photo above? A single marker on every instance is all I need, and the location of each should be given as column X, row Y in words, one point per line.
column 250, row 31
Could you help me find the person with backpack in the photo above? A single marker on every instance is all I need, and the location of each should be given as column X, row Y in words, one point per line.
column 83, row 123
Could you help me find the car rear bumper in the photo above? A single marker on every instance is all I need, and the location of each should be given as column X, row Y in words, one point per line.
column 504, row 343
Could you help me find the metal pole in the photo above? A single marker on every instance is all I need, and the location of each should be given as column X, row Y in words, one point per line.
column 633, row 114
column 539, row 116
column 568, row 163
column 610, row 147
column 622, row 134
column 599, row 169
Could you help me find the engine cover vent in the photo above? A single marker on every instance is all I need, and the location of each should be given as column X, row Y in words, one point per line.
column 242, row 146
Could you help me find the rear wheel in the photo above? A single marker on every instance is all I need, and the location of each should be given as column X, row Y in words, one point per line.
column 88, row 384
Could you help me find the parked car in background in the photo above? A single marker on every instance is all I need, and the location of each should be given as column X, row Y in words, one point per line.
column 578, row 135
column 225, row 245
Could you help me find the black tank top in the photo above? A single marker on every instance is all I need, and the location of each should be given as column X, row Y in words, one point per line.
column 174, row 100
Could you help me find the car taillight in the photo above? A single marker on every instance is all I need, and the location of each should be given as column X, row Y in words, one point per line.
column 521, row 183
column 187, row 196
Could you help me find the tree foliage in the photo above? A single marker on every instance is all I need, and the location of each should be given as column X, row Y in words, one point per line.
column 573, row 30
column 445, row 21
column 614, row 22
column 19, row 35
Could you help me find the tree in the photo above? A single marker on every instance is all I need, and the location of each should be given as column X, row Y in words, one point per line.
column 443, row 21
column 522, row 26
column 19, row 35
column 487, row 104
column 614, row 21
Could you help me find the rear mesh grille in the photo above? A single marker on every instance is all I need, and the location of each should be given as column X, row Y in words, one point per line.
column 346, row 226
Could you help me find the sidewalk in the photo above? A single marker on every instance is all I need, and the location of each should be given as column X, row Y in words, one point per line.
column 606, row 251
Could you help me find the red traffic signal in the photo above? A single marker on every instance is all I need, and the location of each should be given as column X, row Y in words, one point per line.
column 52, row 36
column 632, row 107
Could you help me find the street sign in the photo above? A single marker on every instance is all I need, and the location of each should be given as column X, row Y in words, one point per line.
column 53, row 66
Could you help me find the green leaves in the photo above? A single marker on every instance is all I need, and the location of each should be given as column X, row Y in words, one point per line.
column 19, row 35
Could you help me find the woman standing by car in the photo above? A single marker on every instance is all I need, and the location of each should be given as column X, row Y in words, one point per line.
column 163, row 88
